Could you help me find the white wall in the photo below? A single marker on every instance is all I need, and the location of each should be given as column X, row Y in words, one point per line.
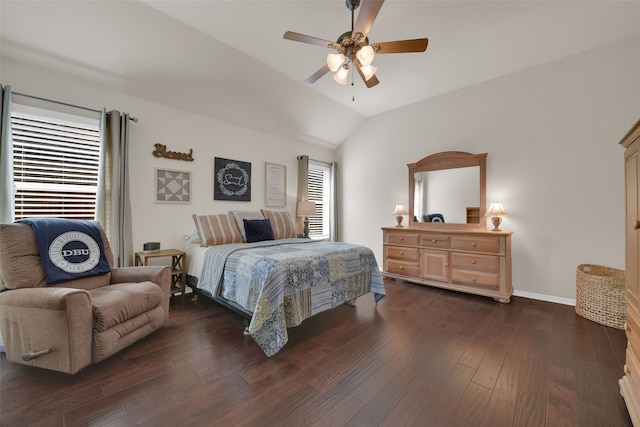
column 551, row 133
column 552, row 136
column 179, row 131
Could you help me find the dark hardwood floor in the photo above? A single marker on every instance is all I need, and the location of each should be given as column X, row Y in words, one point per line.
column 422, row 356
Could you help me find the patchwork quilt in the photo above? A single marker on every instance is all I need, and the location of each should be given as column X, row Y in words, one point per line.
column 285, row 281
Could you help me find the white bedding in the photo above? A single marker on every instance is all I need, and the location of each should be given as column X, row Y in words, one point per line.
column 195, row 258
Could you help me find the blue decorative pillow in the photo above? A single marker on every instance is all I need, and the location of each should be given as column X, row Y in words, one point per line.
column 258, row 230
column 69, row 249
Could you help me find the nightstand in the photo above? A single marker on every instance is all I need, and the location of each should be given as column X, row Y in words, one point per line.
column 178, row 265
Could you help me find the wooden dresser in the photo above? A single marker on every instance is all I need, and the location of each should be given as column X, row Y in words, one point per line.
column 630, row 382
column 472, row 261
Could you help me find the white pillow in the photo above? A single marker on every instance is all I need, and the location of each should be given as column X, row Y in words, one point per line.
column 192, row 236
column 242, row 215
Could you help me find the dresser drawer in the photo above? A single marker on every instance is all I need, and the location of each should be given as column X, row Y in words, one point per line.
column 411, row 239
column 475, row 278
column 476, row 243
column 439, row 241
column 403, row 253
column 469, row 261
column 405, row 268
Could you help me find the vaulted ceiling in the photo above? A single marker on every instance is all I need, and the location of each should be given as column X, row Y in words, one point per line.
column 228, row 59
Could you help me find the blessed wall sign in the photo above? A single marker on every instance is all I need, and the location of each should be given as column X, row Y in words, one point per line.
column 161, row 151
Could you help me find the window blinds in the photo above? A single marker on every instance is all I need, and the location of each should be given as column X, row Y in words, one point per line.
column 318, row 189
column 55, row 167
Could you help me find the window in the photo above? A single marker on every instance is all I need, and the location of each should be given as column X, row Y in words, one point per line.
column 55, row 163
column 319, row 191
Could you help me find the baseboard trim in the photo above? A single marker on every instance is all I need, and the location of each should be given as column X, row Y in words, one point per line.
column 542, row 297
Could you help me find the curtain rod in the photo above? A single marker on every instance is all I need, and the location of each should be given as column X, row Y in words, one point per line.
column 321, row 161
column 133, row 119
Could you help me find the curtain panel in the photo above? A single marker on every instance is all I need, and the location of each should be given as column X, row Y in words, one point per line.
column 303, row 184
column 303, row 195
column 333, row 221
column 7, row 202
column 113, row 206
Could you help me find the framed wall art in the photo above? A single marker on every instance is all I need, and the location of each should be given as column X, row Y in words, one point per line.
column 275, row 185
column 172, row 186
column 231, row 180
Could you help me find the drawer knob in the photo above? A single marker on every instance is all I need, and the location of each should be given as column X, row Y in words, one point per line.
column 401, row 268
column 636, row 224
column 473, row 261
column 433, row 240
column 627, row 370
column 474, row 244
column 401, row 253
column 626, row 327
column 473, row 279
column 402, row 239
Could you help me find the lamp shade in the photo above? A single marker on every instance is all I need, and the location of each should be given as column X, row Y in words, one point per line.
column 335, row 60
column 496, row 209
column 306, row 208
column 365, row 55
column 400, row 210
column 368, row 71
column 341, row 75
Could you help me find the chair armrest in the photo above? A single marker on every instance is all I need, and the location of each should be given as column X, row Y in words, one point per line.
column 158, row 274
column 151, row 273
column 35, row 319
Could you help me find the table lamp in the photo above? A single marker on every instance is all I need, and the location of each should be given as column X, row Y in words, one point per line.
column 496, row 212
column 398, row 212
column 306, row 208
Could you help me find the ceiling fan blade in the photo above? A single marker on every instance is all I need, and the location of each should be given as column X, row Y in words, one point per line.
column 367, row 14
column 372, row 81
column 369, row 83
column 297, row 37
column 316, row 76
column 401, row 46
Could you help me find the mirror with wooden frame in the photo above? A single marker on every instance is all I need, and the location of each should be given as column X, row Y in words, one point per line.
column 447, row 190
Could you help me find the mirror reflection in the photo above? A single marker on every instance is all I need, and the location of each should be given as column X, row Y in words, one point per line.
column 449, row 195
column 447, row 189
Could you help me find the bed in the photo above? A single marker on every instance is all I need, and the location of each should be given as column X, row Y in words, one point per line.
column 276, row 283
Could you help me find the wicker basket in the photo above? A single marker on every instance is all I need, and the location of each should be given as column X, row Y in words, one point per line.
column 600, row 295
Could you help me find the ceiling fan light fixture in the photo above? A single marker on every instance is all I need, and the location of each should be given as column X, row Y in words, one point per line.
column 365, row 55
column 341, row 75
column 368, row 71
column 335, row 60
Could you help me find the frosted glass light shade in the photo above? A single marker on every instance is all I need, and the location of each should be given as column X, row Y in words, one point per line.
column 335, row 60
column 341, row 75
column 368, row 71
column 365, row 55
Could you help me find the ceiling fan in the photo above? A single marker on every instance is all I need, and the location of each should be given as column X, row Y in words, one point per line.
column 353, row 46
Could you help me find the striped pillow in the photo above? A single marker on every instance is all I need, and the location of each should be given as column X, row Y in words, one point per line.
column 217, row 229
column 281, row 223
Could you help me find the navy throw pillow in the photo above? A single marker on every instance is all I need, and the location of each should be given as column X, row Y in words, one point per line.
column 69, row 249
column 258, row 230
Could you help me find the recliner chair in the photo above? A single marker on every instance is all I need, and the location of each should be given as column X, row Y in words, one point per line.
column 70, row 325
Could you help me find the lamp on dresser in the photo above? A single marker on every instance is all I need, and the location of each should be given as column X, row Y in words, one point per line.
column 398, row 212
column 496, row 212
column 306, row 208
